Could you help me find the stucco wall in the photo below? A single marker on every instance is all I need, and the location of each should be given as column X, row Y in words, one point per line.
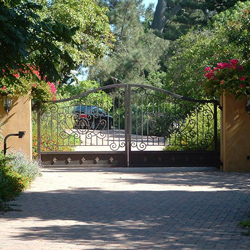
column 18, row 119
column 235, row 144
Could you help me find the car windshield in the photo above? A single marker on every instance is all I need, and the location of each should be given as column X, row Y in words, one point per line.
column 97, row 110
column 89, row 109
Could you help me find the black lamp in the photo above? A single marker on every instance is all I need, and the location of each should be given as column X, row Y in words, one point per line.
column 20, row 134
column 7, row 102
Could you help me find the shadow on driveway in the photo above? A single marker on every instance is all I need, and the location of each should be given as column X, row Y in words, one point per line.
column 140, row 209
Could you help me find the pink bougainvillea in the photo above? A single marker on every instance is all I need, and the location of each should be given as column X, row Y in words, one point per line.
column 229, row 77
column 53, row 90
column 209, row 75
column 28, row 80
column 234, row 61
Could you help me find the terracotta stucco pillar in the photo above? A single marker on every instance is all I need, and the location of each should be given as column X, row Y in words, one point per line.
column 235, row 135
column 18, row 119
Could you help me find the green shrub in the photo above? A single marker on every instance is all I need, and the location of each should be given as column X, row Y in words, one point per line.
column 16, row 173
column 23, row 166
column 11, row 183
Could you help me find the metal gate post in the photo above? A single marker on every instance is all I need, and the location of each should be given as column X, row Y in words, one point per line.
column 39, row 131
column 215, row 134
column 128, row 124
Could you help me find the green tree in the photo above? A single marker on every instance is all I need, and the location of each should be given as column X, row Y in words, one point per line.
column 226, row 38
column 137, row 51
column 34, row 32
column 92, row 37
column 174, row 18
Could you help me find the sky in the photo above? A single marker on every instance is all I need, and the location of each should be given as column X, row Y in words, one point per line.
column 147, row 2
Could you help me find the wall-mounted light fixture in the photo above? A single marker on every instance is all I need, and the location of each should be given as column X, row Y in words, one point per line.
column 20, row 134
column 7, row 102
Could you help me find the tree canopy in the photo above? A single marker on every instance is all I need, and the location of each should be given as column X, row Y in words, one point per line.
column 224, row 39
column 137, row 51
column 175, row 18
column 55, row 36
column 41, row 41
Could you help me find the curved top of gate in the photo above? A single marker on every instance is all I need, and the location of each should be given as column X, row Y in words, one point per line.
column 137, row 86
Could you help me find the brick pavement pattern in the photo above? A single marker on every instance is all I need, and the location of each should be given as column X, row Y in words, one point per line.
column 140, row 208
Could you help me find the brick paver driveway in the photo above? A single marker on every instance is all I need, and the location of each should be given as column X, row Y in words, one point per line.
column 146, row 208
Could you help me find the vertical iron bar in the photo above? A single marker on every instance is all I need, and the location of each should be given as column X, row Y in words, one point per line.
column 87, row 119
column 118, row 110
column 39, row 132
column 147, row 117
column 142, row 119
column 137, row 120
column 108, row 121
column 51, row 128
column 57, row 128
column 169, row 138
column 158, row 115
column 203, row 125
column 175, row 137
column 164, row 115
column 215, row 134
column 197, row 124
column 128, row 124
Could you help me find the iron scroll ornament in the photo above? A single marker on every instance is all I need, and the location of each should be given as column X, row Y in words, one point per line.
column 150, row 111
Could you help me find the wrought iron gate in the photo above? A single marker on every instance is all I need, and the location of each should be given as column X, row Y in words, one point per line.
column 129, row 125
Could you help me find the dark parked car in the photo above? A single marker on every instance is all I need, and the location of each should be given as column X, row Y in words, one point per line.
column 92, row 117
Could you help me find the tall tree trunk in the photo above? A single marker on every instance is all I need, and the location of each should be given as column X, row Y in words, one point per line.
column 159, row 17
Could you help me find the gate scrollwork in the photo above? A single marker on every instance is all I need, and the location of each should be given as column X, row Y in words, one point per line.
column 142, row 115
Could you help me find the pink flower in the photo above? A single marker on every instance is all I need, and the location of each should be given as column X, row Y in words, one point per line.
column 223, row 65
column 207, row 69
column 209, row 75
column 52, row 90
column 243, row 78
column 3, row 88
column 36, row 72
column 16, row 75
column 220, row 65
column 234, row 61
column 3, row 70
column 241, row 86
column 35, row 85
